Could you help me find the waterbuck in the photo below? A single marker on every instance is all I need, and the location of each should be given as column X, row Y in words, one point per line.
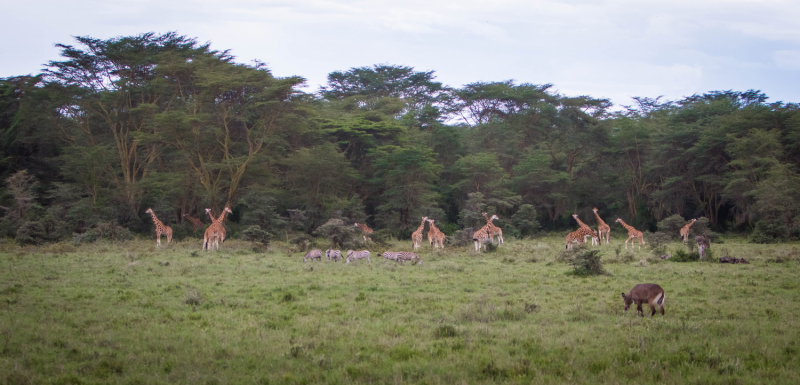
column 646, row 292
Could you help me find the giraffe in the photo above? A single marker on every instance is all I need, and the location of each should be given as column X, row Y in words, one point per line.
column 160, row 228
column 685, row 230
column 579, row 236
column 196, row 223
column 632, row 233
column 583, row 226
column 365, row 230
column 480, row 237
column 602, row 227
column 216, row 231
column 416, row 236
column 435, row 236
column 493, row 230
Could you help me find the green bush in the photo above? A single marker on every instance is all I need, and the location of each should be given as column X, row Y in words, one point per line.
column 683, row 256
column 586, row 262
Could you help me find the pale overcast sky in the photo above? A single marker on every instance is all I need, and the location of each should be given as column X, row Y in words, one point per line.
column 611, row 49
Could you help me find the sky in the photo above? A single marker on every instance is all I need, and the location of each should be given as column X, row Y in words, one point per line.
column 615, row 49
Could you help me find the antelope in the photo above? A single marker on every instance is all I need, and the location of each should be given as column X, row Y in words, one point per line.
column 651, row 293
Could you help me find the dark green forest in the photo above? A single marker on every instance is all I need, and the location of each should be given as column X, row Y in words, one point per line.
column 116, row 126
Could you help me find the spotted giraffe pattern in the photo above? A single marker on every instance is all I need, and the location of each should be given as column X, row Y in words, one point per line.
column 161, row 229
column 579, row 236
column 602, row 227
column 416, row 236
column 632, row 233
column 685, row 230
column 365, row 230
column 435, row 236
column 493, row 230
column 483, row 235
column 216, row 232
column 196, row 223
column 583, row 226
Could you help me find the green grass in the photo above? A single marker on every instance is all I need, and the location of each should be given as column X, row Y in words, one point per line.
column 129, row 313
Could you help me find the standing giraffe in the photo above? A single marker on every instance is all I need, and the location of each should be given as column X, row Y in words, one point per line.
column 685, row 230
column 584, row 226
column 632, row 233
column 416, row 236
column 484, row 234
column 160, row 228
column 216, row 231
column 196, row 223
column 493, row 230
column 602, row 227
column 435, row 236
column 365, row 230
column 579, row 236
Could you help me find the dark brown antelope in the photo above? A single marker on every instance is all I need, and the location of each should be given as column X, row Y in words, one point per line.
column 651, row 293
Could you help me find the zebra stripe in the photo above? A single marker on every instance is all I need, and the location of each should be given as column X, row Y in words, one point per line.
column 333, row 255
column 354, row 255
column 401, row 256
column 312, row 255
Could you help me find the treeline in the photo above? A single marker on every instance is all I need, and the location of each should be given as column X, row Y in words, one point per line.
column 158, row 120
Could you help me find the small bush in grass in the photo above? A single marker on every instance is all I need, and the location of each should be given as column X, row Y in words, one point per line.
column 193, row 297
column 587, row 262
column 445, row 331
column 683, row 256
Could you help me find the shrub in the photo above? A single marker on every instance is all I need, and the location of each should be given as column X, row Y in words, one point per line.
column 31, row 233
column 683, row 256
column 671, row 226
column 462, row 237
column 586, row 263
column 658, row 242
column 255, row 234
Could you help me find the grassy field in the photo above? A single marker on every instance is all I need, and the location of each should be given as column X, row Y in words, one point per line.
column 129, row 313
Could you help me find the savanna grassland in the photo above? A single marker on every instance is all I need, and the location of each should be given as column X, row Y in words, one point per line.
column 129, row 313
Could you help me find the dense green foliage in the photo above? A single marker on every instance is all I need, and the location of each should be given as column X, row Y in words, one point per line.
column 120, row 125
column 128, row 313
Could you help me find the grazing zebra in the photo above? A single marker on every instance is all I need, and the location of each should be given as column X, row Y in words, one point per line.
column 401, row 256
column 312, row 255
column 408, row 256
column 353, row 255
column 333, row 255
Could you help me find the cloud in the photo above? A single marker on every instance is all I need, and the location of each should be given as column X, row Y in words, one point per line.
column 787, row 59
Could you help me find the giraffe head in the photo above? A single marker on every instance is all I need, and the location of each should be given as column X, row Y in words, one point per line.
column 575, row 216
column 694, row 220
column 594, row 209
column 494, row 216
column 618, row 220
column 430, row 221
column 149, row 211
column 227, row 210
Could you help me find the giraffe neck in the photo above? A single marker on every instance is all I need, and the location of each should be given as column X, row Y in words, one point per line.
column 599, row 220
column 155, row 220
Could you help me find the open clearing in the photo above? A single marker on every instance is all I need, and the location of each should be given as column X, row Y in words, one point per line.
column 129, row 313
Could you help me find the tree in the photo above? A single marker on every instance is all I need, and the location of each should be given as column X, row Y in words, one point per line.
column 403, row 179
column 109, row 99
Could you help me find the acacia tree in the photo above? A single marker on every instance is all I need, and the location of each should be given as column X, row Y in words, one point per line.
column 224, row 117
column 403, row 178
column 108, row 99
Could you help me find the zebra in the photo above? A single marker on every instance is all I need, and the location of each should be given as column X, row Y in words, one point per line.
column 353, row 255
column 333, row 255
column 312, row 255
column 401, row 256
